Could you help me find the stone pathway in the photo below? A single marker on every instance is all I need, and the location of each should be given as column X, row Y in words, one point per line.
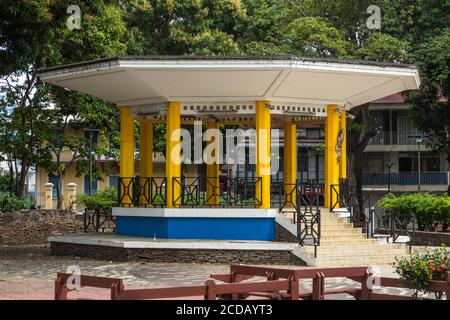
column 29, row 273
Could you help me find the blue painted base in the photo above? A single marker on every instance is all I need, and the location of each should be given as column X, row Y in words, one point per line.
column 197, row 228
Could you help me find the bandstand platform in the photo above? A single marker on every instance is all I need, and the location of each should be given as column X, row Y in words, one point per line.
column 269, row 98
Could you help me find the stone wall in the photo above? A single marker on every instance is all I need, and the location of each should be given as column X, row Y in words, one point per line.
column 427, row 238
column 35, row 226
column 283, row 235
column 279, row 257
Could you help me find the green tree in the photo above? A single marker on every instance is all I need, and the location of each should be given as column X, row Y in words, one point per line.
column 33, row 35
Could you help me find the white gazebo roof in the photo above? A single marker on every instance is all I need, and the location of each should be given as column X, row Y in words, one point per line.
column 147, row 80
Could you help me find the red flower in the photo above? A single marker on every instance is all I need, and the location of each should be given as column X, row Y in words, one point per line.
column 438, row 269
column 443, row 266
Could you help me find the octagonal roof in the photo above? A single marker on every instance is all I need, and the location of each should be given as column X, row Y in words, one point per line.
column 141, row 80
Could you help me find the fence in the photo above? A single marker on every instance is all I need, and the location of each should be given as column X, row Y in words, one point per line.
column 193, row 191
column 279, row 284
column 405, row 178
column 395, row 137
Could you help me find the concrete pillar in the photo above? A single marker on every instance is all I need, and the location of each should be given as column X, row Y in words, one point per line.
column 126, row 155
column 263, row 153
column 290, row 160
column 343, row 132
column 173, row 154
column 213, row 166
column 145, row 158
column 331, row 159
column 71, row 193
column 48, row 196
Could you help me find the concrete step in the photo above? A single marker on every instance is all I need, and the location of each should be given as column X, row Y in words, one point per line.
column 362, row 261
column 347, row 242
column 337, row 236
column 361, row 249
column 336, row 255
column 340, row 230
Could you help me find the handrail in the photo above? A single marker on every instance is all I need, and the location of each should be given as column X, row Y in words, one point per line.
column 308, row 215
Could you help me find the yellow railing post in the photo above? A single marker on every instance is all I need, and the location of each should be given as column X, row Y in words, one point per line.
column 263, row 153
column 173, row 156
column 213, row 166
column 331, row 157
column 145, row 157
column 126, row 154
column 343, row 162
column 290, row 160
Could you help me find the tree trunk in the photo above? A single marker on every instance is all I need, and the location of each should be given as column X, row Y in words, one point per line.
column 20, row 183
column 59, row 191
column 357, row 143
column 448, row 169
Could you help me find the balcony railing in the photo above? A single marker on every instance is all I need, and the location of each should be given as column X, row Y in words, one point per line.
column 395, row 137
column 405, row 178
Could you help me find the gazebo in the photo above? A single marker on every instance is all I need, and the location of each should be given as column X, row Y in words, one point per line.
column 264, row 92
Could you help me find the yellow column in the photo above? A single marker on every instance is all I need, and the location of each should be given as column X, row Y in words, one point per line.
column 290, row 161
column 263, row 153
column 212, row 168
column 126, row 155
column 343, row 129
column 331, row 160
column 173, row 156
column 146, row 158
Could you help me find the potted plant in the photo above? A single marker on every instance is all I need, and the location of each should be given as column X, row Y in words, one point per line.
column 424, row 273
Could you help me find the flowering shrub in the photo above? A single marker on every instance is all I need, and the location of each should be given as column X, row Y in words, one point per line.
column 417, row 270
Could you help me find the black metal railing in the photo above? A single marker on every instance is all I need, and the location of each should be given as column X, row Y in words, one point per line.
column 142, row 192
column 308, row 214
column 341, row 195
column 284, row 195
column 390, row 225
column 99, row 220
column 190, row 191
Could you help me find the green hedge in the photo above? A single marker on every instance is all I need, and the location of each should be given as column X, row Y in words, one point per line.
column 10, row 202
column 429, row 209
column 105, row 199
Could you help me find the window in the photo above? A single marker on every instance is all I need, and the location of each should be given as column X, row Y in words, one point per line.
column 114, row 182
column 94, row 137
column 373, row 162
column 53, row 179
column 408, row 162
column 93, row 185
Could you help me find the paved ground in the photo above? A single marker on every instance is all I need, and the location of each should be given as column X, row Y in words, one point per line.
column 29, row 273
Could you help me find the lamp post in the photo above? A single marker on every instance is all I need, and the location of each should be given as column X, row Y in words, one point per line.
column 389, row 166
column 419, row 140
column 90, row 130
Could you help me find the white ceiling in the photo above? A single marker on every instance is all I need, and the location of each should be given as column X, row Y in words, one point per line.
column 142, row 81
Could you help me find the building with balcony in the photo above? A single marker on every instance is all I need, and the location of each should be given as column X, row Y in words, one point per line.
column 400, row 148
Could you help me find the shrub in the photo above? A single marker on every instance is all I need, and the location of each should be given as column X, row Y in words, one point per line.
column 429, row 209
column 417, row 271
column 105, row 199
column 401, row 207
column 10, row 203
